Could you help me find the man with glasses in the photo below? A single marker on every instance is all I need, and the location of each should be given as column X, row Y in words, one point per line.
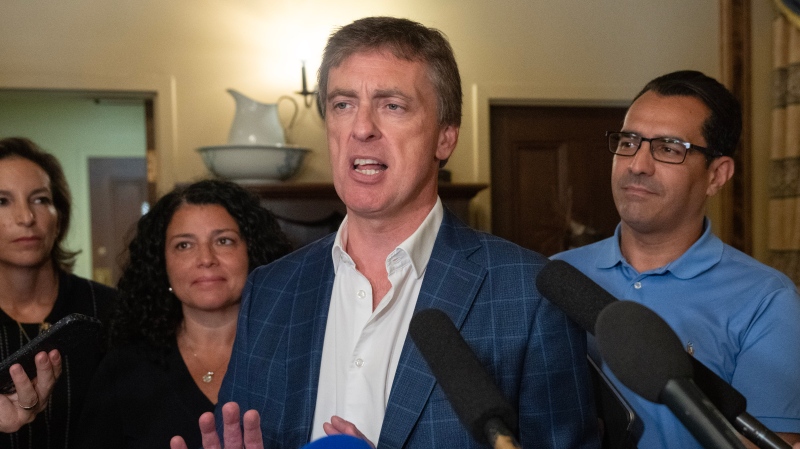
column 736, row 315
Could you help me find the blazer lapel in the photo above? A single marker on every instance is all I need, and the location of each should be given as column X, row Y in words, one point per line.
column 306, row 335
column 451, row 284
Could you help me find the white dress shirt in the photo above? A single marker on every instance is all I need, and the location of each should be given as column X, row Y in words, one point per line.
column 362, row 347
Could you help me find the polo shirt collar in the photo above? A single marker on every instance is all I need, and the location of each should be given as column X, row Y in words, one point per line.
column 702, row 255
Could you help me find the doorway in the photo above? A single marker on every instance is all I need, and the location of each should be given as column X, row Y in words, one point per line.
column 551, row 173
column 75, row 126
column 118, row 197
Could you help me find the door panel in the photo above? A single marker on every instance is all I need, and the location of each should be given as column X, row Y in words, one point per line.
column 118, row 192
column 551, row 175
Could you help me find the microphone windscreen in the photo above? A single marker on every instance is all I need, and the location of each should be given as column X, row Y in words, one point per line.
column 640, row 348
column 727, row 399
column 469, row 388
column 573, row 292
column 338, row 442
column 583, row 300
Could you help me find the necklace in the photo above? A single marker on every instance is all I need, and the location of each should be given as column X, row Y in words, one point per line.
column 43, row 326
column 208, row 377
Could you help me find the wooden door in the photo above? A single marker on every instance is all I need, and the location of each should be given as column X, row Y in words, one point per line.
column 551, row 173
column 118, row 197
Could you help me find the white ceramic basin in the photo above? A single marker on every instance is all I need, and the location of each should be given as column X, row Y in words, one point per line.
column 253, row 163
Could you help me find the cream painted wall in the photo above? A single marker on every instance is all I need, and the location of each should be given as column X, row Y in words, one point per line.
column 189, row 51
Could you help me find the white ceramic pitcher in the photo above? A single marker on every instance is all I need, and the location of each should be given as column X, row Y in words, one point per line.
column 257, row 123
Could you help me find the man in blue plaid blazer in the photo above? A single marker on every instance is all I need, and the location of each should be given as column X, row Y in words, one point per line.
column 311, row 359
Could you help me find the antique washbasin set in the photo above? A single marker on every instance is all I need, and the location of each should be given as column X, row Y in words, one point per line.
column 256, row 151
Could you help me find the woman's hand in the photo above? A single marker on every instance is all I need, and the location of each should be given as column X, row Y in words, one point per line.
column 31, row 396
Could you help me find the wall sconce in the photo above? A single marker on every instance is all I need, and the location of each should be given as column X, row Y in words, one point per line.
column 309, row 96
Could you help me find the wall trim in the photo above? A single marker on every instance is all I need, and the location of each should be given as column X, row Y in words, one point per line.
column 161, row 88
column 736, row 202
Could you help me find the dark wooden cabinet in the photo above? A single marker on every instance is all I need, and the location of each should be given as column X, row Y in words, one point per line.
column 308, row 211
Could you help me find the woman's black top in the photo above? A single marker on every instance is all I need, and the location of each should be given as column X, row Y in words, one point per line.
column 56, row 425
column 140, row 398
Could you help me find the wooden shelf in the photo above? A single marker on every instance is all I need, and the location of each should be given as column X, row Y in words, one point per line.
column 308, row 211
column 322, row 190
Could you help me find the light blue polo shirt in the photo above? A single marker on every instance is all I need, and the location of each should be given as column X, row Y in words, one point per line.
column 738, row 316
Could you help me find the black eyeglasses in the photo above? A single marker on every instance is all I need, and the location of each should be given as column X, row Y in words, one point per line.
column 663, row 149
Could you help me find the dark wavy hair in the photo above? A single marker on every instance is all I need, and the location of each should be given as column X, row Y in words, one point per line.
column 146, row 311
column 62, row 200
column 723, row 128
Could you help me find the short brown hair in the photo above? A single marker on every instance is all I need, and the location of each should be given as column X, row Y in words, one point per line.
column 407, row 40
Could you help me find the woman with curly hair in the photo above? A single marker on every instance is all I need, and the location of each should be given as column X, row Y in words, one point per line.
column 172, row 333
column 37, row 289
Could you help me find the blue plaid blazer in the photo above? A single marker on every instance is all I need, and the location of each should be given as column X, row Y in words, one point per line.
column 487, row 287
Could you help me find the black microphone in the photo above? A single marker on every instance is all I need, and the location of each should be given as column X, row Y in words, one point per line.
column 647, row 356
column 733, row 406
column 473, row 394
column 581, row 299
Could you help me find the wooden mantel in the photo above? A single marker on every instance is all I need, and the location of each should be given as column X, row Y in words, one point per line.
column 308, row 211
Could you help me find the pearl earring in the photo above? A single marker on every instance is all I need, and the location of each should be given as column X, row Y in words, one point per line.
column 170, row 289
